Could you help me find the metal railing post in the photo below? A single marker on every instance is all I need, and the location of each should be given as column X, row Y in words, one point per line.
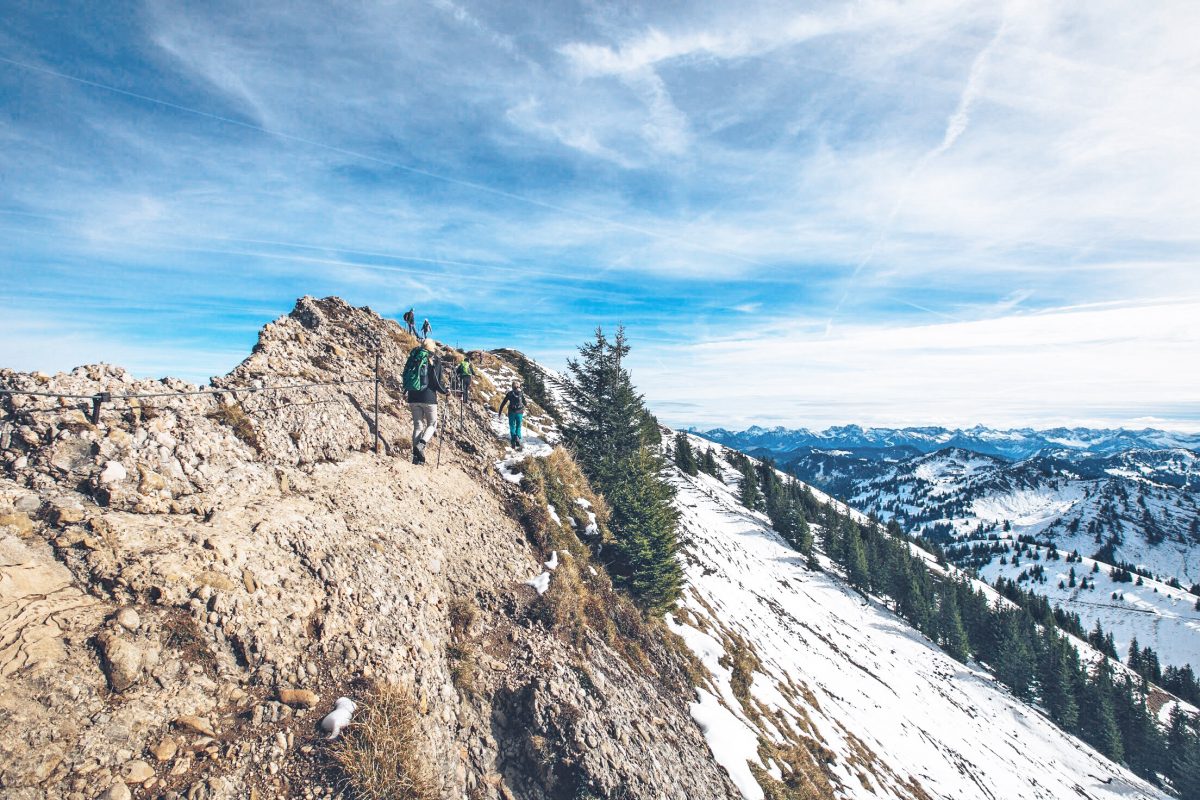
column 97, row 399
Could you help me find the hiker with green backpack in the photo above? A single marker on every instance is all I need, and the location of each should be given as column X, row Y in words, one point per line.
column 422, row 380
column 465, row 372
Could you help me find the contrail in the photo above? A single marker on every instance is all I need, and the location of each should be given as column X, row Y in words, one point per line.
column 955, row 126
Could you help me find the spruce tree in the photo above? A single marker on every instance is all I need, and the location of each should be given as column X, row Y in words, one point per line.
column 1057, row 669
column 749, row 494
column 1099, row 723
column 855, row 558
column 644, row 522
column 685, row 459
column 614, row 442
column 951, row 634
column 1185, row 768
column 1015, row 661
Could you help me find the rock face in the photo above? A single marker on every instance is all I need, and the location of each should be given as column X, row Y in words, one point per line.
column 187, row 584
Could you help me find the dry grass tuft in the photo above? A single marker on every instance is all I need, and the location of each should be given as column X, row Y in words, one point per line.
column 463, row 650
column 742, row 662
column 383, row 754
column 235, row 417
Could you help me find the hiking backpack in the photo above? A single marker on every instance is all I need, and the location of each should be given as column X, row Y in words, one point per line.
column 416, row 370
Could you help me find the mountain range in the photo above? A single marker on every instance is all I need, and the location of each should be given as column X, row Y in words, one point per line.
column 1013, row 443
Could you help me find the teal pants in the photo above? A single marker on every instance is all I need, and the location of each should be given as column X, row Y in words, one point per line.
column 514, row 425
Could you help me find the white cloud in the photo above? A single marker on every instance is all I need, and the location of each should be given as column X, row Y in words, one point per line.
column 40, row 342
column 1113, row 363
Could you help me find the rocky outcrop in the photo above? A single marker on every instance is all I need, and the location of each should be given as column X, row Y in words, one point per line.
column 187, row 584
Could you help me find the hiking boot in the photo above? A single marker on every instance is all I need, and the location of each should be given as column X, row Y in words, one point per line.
column 419, row 453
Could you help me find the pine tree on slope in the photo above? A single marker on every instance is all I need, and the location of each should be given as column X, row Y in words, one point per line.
column 613, row 435
column 685, row 458
column 951, row 634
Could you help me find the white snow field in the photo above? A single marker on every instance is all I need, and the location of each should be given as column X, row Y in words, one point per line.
column 899, row 718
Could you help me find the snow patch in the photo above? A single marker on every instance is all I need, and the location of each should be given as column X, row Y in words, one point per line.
column 540, row 582
column 732, row 742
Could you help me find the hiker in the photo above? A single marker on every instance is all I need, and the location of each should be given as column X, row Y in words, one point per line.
column 410, row 319
column 425, row 328
column 515, row 400
column 422, row 382
column 465, row 373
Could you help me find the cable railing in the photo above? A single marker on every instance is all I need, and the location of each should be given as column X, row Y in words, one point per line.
column 455, row 382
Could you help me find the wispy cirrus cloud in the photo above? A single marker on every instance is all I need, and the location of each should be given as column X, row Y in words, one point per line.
column 527, row 173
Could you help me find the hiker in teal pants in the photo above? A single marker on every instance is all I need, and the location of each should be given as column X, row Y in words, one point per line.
column 515, row 400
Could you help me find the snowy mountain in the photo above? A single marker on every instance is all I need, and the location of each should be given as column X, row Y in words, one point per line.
column 1136, row 508
column 1017, row 443
column 814, row 686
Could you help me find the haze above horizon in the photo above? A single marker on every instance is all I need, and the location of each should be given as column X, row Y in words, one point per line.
column 945, row 212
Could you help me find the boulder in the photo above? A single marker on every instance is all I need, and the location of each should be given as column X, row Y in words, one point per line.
column 122, row 660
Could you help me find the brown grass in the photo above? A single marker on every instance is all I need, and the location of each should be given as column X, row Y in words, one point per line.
column 235, row 417
column 742, row 662
column 463, row 649
column 383, row 754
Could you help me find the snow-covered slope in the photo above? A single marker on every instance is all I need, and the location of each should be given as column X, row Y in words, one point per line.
column 1157, row 615
column 1139, row 507
column 834, row 696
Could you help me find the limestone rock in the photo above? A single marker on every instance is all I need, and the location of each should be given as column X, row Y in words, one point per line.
column 165, row 750
column 196, row 724
column 128, row 619
column 38, row 599
column 118, row 791
column 136, row 772
column 113, row 472
column 18, row 521
column 124, row 661
column 300, row 698
column 66, row 513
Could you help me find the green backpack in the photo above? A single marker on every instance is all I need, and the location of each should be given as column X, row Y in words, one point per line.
column 416, row 370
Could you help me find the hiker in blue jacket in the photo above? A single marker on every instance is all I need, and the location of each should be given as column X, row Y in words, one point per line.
column 515, row 400
column 422, row 384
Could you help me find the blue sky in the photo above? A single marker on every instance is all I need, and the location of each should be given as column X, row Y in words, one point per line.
column 804, row 213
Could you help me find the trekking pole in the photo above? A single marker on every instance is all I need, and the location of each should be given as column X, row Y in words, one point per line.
column 439, row 456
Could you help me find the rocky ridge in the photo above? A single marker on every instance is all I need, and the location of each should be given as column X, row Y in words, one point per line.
column 187, row 584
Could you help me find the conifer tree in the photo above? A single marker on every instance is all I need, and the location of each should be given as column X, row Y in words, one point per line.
column 1015, row 661
column 612, row 436
column 951, row 634
column 1058, row 666
column 644, row 522
column 749, row 494
column 709, row 463
column 685, row 458
column 854, row 557
column 1185, row 767
column 1099, row 723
